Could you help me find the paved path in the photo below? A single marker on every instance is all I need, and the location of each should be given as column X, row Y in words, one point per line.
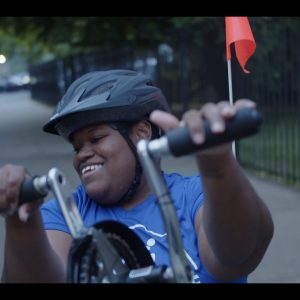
column 23, row 142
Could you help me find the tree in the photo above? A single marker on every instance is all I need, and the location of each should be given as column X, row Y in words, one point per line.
column 41, row 37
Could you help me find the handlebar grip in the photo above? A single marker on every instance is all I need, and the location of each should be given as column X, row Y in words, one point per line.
column 246, row 122
column 30, row 192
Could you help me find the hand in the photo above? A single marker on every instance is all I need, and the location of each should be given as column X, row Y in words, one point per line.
column 215, row 114
column 11, row 178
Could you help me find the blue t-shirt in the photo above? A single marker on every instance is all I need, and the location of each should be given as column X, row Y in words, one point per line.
column 145, row 220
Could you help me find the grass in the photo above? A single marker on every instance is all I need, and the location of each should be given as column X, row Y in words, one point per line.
column 275, row 152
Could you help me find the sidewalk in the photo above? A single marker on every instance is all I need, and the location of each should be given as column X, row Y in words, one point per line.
column 21, row 120
column 281, row 263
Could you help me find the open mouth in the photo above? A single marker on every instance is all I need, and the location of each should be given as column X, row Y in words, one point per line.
column 90, row 169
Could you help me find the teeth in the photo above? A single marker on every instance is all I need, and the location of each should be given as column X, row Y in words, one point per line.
column 90, row 168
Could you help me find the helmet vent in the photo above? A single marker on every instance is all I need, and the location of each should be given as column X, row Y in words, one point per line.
column 100, row 90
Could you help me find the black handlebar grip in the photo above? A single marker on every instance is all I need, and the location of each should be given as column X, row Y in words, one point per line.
column 28, row 192
column 246, row 122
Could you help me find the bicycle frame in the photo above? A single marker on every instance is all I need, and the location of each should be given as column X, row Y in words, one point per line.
column 108, row 257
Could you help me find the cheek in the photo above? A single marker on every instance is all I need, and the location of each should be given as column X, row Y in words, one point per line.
column 115, row 181
column 76, row 164
column 118, row 171
column 123, row 166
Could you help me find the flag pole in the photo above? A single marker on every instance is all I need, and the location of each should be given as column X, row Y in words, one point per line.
column 230, row 97
column 239, row 33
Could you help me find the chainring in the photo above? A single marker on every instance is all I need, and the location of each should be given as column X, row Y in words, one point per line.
column 83, row 266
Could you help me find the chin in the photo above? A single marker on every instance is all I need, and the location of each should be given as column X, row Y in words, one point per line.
column 101, row 198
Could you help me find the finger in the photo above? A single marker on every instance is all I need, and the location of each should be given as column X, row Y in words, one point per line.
column 15, row 177
column 7, row 186
column 212, row 113
column 226, row 109
column 24, row 212
column 244, row 103
column 193, row 120
column 3, row 180
column 27, row 209
column 164, row 120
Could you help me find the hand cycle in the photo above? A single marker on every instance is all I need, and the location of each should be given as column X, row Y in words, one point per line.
column 109, row 252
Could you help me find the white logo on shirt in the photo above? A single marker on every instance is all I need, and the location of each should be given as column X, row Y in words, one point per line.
column 151, row 243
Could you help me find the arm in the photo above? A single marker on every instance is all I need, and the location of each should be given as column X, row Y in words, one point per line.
column 29, row 255
column 234, row 226
column 29, row 251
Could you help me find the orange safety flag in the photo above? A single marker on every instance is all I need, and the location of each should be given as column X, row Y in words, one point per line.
column 238, row 31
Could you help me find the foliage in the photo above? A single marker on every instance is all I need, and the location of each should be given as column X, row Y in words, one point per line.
column 61, row 36
column 46, row 37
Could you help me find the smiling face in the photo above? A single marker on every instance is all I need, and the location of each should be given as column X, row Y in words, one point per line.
column 104, row 162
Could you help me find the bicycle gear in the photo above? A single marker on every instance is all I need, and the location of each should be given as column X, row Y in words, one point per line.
column 90, row 263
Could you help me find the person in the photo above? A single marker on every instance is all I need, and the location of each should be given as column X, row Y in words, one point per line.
column 225, row 226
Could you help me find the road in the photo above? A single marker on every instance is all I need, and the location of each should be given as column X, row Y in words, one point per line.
column 23, row 142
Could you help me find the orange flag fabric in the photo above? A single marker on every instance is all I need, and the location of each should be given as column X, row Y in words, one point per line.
column 238, row 31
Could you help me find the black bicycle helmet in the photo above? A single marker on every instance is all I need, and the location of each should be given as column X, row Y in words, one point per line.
column 116, row 97
column 105, row 96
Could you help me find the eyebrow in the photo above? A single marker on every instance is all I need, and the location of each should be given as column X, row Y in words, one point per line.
column 90, row 130
column 94, row 128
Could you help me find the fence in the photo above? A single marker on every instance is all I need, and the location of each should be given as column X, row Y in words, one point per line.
column 191, row 72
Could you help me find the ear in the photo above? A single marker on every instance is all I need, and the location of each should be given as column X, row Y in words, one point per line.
column 141, row 130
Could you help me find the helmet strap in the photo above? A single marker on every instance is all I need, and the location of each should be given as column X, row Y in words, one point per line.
column 138, row 168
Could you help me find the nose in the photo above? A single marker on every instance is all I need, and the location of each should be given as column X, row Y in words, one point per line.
column 86, row 151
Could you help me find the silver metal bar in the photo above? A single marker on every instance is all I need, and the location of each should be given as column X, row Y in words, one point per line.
column 62, row 191
column 181, row 268
column 159, row 147
column 41, row 185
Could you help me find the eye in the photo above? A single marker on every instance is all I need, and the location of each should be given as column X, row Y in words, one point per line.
column 76, row 149
column 96, row 139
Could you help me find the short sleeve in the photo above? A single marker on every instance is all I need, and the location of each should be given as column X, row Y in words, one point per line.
column 194, row 191
column 187, row 195
column 52, row 217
